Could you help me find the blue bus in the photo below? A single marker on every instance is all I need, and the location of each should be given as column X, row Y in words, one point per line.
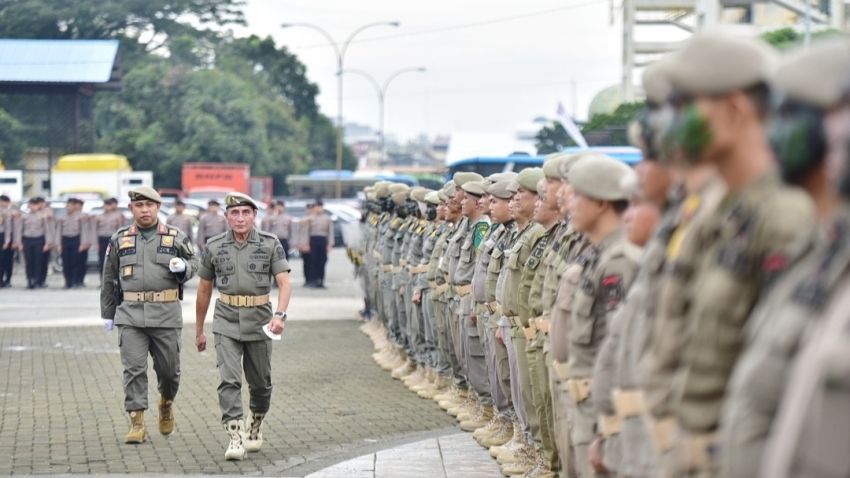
column 487, row 165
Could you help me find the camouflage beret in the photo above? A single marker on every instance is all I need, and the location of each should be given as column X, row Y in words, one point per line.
column 528, row 177
column 601, row 177
column 501, row 190
column 144, row 192
column 462, row 177
column 476, row 188
column 817, row 75
column 717, row 62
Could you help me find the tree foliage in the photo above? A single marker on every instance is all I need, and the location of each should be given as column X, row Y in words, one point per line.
column 190, row 92
column 602, row 129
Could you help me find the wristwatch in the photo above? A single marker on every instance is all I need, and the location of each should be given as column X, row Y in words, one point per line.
column 282, row 315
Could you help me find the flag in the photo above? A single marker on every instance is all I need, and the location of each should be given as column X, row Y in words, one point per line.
column 570, row 126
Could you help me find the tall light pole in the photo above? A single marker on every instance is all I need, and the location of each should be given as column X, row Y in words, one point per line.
column 382, row 96
column 339, row 49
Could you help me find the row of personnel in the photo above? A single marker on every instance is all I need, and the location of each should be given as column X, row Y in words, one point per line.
column 683, row 318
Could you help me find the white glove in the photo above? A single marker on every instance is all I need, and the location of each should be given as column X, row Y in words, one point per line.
column 177, row 265
column 108, row 324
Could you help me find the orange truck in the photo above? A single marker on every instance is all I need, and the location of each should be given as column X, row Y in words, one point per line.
column 215, row 180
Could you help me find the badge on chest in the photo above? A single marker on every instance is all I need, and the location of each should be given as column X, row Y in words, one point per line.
column 126, row 245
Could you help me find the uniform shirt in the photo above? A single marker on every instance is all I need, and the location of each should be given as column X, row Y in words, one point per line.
column 519, row 253
column 6, row 223
column 278, row 224
column 604, row 283
column 35, row 224
column 530, row 305
column 182, row 222
column 739, row 249
column 74, row 225
column 243, row 269
column 448, row 263
column 575, row 259
column 774, row 334
column 106, row 223
column 211, row 225
column 469, row 251
column 140, row 264
column 479, row 278
column 320, row 225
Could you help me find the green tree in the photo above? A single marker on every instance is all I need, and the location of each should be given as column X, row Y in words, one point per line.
column 602, row 129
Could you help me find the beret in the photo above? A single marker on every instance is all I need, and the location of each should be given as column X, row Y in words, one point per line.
column 238, row 199
column 818, row 75
column 601, row 177
column 144, row 192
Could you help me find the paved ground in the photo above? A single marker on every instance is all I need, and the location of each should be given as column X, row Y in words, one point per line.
column 61, row 398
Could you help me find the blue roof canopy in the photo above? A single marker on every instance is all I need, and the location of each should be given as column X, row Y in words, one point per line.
column 57, row 61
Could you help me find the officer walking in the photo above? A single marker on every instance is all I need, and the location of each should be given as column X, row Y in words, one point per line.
column 241, row 263
column 33, row 237
column 105, row 225
column 73, row 237
column 181, row 220
column 212, row 223
column 8, row 217
column 279, row 223
column 147, row 264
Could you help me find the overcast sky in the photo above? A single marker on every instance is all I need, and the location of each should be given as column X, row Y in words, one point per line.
column 492, row 64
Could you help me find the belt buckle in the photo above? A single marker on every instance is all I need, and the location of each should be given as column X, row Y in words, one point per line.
column 240, row 301
column 147, row 296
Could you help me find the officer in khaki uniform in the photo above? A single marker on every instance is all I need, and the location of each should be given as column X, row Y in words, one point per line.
column 73, row 240
column 180, row 219
column 105, row 224
column 811, row 81
column 34, row 238
column 599, row 201
column 211, row 223
column 8, row 217
column 741, row 245
column 528, row 233
column 241, row 263
column 147, row 264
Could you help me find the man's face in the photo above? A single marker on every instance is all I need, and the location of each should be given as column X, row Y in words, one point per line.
column 524, row 201
column 500, row 210
column 280, row 209
column 241, row 218
column 551, row 192
column 144, row 212
column 469, row 205
column 484, row 204
column 452, row 210
column 640, row 220
column 110, row 207
column 565, row 196
column 5, row 204
column 585, row 212
column 213, row 208
column 179, row 208
column 441, row 211
column 72, row 207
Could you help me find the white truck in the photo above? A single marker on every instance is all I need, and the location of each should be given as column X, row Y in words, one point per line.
column 104, row 175
column 12, row 184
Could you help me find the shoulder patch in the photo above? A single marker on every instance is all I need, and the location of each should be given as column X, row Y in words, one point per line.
column 172, row 231
column 611, row 291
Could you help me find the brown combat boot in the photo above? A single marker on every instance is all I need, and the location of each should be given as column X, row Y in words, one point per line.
column 166, row 416
column 137, row 431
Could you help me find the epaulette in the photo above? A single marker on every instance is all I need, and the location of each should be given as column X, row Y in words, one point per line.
column 266, row 234
column 217, row 237
column 124, row 231
column 172, row 231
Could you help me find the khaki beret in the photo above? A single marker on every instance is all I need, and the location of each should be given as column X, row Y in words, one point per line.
column 382, row 190
column 566, row 164
column 400, row 197
column 462, row 177
column 507, row 176
column 656, row 82
column 370, row 196
column 476, row 188
column 442, row 196
column 369, row 189
column 528, row 177
column 601, row 177
column 238, row 199
column 418, row 193
column 817, row 75
column 513, row 186
column 449, row 189
column 500, row 189
column 551, row 165
column 398, row 188
column 541, row 188
column 144, row 192
column 432, row 197
column 717, row 62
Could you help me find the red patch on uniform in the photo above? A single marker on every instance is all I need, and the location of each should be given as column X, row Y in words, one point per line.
column 611, row 280
column 774, row 262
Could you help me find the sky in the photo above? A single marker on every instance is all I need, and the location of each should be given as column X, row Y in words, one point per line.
column 491, row 65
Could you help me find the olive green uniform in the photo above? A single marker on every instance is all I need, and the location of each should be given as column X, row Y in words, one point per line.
column 142, row 296
column 243, row 270
column 437, row 281
column 476, row 369
column 493, row 290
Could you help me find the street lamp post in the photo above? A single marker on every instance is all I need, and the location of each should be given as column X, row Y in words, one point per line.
column 339, row 49
column 382, row 95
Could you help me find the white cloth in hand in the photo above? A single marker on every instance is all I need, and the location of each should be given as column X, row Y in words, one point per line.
column 108, row 324
column 177, row 265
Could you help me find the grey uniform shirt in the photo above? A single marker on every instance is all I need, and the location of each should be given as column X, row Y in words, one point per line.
column 35, row 225
column 74, row 225
column 210, row 225
column 243, row 269
column 106, row 223
column 182, row 222
column 141, row 265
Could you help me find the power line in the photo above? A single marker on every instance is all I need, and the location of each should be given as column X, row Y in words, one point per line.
column 468, row 89
column 462, row 26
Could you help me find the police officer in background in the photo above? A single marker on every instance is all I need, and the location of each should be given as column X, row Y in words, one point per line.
column 279, row 223
column 105, row 225
column 319, row 228
column 181, row 220
column 147, row 264
column 8, row 217
column 212, row 223
column 33, row 237
column 241, row 263
column 73, row 240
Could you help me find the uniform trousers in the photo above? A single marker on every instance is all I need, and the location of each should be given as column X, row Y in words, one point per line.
column 476, row 368
column 163, row 345
column 516, row 390
column 255, row 358
column 429, row 330
column 561, row 426
column 541, row 398
column 523, row 379
column 73, row 261
column 34, row 260
column 638, row 454
column 444, row 365
column 318, row 258
column 452, row 333
column 582, row 418
column 6, row 261
column 501, row 396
